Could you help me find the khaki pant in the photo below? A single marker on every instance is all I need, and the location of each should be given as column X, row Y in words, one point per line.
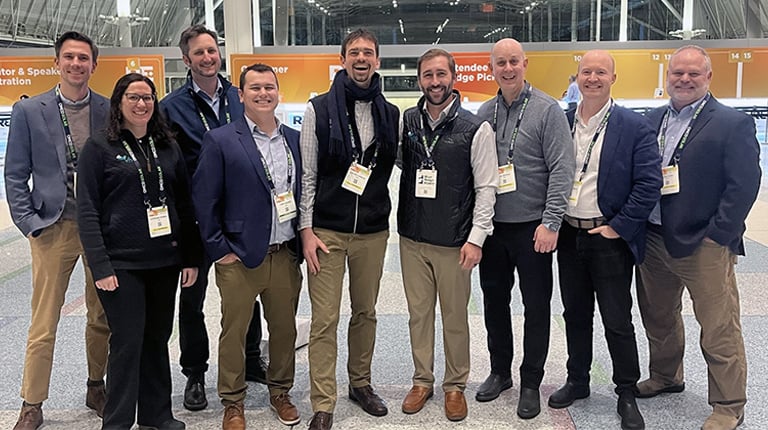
column 364, row 254
column 54, row 255
column 709, row 276
column 277, row 280
column 433, row 272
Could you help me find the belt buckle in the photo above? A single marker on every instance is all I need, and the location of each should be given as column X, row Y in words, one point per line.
column 274, row 248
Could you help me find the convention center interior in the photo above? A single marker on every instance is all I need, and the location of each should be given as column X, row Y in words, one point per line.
column 302, row 41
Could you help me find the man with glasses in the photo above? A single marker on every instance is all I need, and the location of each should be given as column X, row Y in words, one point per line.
column 206, row 101
column 45, row 137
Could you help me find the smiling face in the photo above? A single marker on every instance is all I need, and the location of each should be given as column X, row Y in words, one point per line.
column 136, row 106
column 75, row 63
column 203, row 58
column 596, row 76
column 360, row 61
column 259, row 94
column 688, row 77
column 436, row 81
column 508, row 64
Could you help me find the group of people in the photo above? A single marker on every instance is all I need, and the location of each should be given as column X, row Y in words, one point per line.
column 661, row 197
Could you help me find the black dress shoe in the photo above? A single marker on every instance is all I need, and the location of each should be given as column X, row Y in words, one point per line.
column 565, row 396
column 194, row 393
column 529, row 405
column 629, row 413
column 256, row 371
column 321, row 421
column 368, row 400
column 171, row 424
column 493, row 385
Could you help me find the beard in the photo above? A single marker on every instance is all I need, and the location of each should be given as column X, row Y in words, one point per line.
column 447, row 93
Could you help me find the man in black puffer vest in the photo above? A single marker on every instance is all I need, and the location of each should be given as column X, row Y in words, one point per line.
column 348, row 148
column 443, row 220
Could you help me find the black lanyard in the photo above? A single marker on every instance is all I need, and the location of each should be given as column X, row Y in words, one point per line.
column 70, row 142
column 516, row 130
column 266, row 166
column 663, row 135
column 357, row 144
column 141, row 172
column 428, row 148
column 600, row 129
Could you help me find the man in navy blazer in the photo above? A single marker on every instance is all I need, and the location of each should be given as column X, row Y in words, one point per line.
column 616, row 185
column 246, row 187
column 711, row 160
column 46, row 134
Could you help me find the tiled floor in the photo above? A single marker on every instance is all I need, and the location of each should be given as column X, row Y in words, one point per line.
column 392, row 366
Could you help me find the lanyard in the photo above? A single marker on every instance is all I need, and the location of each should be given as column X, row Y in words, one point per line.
column 67, row 131
column 266, row 166
column 428, row 148
column 357, row 149
column 202, row 116
column 516, row 130
column 600, row 129
column 663, row 135
column 141, row 172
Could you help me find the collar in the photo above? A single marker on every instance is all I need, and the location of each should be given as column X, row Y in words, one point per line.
column 598, row 116
column 255, row 128
column 523, row 91
column 199, row 91
column 68, row 102
column 686, row 109
column 444, row 113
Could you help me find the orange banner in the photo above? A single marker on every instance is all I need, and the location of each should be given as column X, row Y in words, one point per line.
column 30, row 76
column 641, row 73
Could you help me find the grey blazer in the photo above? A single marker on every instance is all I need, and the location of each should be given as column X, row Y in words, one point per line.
column 37, row 150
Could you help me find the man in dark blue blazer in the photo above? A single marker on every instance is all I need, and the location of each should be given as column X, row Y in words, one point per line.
column 711, row 160
column 616, row 185
column 44, row 139
column 246, row 187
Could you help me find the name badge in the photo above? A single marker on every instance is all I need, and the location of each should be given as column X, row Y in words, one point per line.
column 426, row 183
column 286, row 206
column 573, row 200
column 356, row 179
column 507, row 182
column 671, row 175
column 159, row 221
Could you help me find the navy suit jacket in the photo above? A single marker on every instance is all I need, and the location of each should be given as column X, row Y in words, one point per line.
column 719, row 181
column 629, row 176
column 37, row 149
column 233, row 200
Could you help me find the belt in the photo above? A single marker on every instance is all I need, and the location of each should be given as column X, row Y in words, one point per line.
column 584, row 223
column 276, row 247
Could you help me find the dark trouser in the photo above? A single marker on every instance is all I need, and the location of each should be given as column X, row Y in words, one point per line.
column 193, row 336
column 592, row 266
column 140, row 317
column 510, row 248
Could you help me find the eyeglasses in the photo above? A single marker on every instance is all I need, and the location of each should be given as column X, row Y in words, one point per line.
column 134, row 98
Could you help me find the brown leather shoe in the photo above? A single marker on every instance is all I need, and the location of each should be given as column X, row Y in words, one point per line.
column 234, row 416
column 321, row 421
column 416, row 398
column 286, row 411
column 455, row 405
column 368, row 400
column 30, row 418
column 96, row 397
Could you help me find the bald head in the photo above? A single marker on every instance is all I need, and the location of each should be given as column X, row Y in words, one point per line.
column 597, row 73
column 508, row 64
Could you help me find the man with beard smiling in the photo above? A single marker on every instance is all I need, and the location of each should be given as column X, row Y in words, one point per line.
column 206, row 101
column 447, row 192
column 711, row 161
column 617, row 182
column 348, row 150
column 536, row 173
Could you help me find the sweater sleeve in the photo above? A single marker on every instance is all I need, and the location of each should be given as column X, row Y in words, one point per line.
column 90, row 178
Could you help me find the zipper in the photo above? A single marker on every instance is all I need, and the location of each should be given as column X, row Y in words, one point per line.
column 357, row 211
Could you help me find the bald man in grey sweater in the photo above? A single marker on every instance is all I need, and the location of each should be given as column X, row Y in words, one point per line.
column 536, row 170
